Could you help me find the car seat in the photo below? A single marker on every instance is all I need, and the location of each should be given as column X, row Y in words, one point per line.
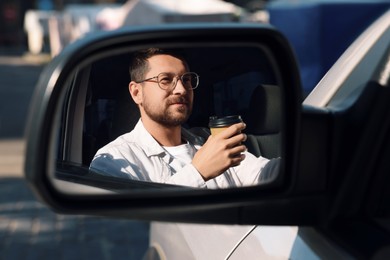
column 263, row 121
column 122, row 116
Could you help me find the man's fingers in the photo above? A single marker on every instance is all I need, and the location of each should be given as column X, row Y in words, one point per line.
column 237, row 150
column 232, row 130
column 235, row 161
column 236, row 140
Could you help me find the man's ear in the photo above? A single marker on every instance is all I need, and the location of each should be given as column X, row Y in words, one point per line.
column 135, row 92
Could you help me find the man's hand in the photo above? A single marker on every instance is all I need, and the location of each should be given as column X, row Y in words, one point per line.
column 220, row 152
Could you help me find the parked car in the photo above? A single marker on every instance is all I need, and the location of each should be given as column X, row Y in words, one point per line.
column 331, row 197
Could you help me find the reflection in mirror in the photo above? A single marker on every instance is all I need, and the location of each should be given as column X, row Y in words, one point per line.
column 104, row 143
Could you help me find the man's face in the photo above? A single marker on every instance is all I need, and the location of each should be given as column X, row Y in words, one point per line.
column 166, row 107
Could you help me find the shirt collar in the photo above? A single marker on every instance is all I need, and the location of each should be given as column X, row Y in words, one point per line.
column 146, row 140
column 152, row 147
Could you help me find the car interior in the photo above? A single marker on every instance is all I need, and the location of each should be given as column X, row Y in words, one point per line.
column 233, row 81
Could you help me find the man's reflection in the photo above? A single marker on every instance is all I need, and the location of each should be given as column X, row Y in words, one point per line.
column 158, row 149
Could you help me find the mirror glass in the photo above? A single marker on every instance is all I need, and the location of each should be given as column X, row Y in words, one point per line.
column 97, row 108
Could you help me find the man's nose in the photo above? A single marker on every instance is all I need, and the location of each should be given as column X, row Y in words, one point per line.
column 179, row 87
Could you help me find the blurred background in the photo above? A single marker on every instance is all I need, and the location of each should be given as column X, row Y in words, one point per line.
column 36, row 24
column 319, row 30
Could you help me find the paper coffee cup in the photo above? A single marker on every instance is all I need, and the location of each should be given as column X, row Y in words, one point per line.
column 218, row 124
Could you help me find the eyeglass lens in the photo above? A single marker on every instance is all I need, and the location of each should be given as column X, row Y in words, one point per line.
column 189, row 80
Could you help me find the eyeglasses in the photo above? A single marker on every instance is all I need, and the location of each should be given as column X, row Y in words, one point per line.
column 168, row 81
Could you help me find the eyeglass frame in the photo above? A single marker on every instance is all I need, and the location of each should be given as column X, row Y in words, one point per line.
column 176, row 77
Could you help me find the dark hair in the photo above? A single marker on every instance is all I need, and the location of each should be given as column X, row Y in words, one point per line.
column 139, row 65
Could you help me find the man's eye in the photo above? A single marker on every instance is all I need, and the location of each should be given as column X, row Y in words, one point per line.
column 165, row 80
column 187, row 79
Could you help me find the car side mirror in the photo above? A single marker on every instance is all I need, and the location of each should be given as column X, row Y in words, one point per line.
column 244, row 69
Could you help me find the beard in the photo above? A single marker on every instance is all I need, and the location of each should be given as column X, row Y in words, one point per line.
column 167, row 115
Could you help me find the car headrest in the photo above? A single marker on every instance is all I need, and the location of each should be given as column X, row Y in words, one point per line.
column 264, row 110
column 126, row 114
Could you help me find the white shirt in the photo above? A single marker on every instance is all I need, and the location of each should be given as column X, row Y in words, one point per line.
column 138, row 156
